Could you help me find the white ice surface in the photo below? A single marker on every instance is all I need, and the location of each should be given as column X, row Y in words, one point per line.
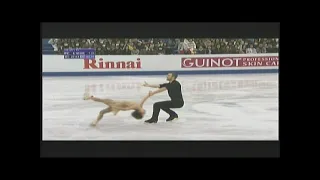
column 217, row 107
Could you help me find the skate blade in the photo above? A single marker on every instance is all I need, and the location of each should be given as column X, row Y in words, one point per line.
column 91, row 125
column 175, row 119
column 150, row 123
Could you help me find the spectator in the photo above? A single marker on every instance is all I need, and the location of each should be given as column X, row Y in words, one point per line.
column 272, row 48
column 261, row 49
column 54, row 44
column 139, row 45
column 251, row 50
column 118, row 50
column 103, row 50
column 241, row 51
column 167, row 49
column 201, row 50
column 144, row 50
column 192, row 46
column 134, row 51
column 211, row 50
column 151, row 50
column 181, row 47
column 127, row 51
column 228, row 50
column 218, row 50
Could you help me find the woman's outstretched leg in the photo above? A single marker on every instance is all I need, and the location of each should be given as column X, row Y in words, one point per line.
column 100, row 115
column 105, row 101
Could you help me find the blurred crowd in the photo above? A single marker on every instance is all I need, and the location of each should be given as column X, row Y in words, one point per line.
column 154, row 46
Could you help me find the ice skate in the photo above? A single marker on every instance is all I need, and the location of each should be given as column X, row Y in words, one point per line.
column 93, row 124
column 86, row 96
column 171, row 118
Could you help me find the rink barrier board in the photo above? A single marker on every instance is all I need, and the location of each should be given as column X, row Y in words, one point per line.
column 56, row 65
column 149, row 73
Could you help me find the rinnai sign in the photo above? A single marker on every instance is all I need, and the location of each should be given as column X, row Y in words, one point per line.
column 216, row 62
column 102, row 64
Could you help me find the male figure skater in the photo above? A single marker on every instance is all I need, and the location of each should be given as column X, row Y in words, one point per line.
column 175, row 94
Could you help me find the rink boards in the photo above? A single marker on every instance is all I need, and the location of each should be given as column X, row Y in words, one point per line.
column 104, row 65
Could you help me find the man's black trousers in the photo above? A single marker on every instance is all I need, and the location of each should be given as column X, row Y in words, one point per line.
column 165, row 106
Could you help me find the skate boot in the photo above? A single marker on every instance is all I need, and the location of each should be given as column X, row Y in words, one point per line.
column 151, row 121
column 93, row 124
column 86, row 96
column 171, row 118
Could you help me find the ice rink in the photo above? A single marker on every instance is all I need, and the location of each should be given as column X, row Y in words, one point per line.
column 217, row 107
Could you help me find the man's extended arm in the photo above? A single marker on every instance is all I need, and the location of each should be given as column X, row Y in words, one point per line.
column 150, row 85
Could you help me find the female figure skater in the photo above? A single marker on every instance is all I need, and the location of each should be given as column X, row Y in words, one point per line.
column 116, row 106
